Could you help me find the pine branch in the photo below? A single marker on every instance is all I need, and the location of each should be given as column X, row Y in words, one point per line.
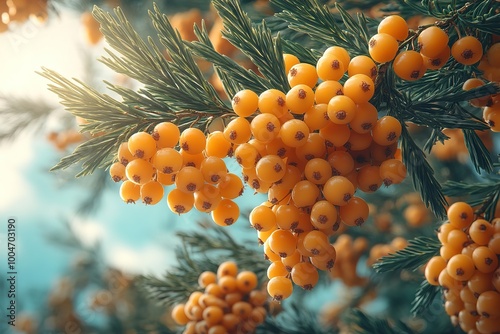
column 255, row 41
column 321, row 25
column 480, row 156
column 21, row 113
column 486, row 194
column 417, row 253
column 211, row 247
column 294, row 319
column 424, row 297
column 361, row 323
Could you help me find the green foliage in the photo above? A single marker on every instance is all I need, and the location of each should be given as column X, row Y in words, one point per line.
column 361, row 323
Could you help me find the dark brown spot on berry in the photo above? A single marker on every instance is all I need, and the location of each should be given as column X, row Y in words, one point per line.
column 215, row 178
column 270, row 126
column 139, row 154
column 167, row 170
column 179, row 209
column 391, row 136
column 299, row 135
column 206, row 205
column 336, row 226
column 474, row 312
column 277, row 168
column 315, row 251
column 255, row 184
column 366, row 126
column 341, row 114
column 485, row 314
column 482, row 227
column 325, row 116
column 155, row 135
column 185, row 146
column 307, row 287
column 283, row 254
column 230, row 151
column 460, row 272
column 278, row 298
column 239, row 160
column 347, row 197
column 436, row 62
column 274, row 200
column 373, row 187
column 335, row 64
column 302, row 94
column 136, row 178
column 124, row 162
column 372, row 42
column 293, row 226
column 130, row 201
column 365, row 86
column 339, row 92
column 348, row 145
column 233, row 135
column 359, row 221
column 322, row 219
column 309, row 156
column 488, row 261
column 191, row 187
column 116, row 178
column 467, row 54
column 281, row 152
column 415, row 74
column 281, row 101
column 491, row 123
column 316, row 175
column 229, row 221
column 236, row 100
column 387, row 182
column 328, row 143
column 241, row 191
column 257, row 226
column 190, row 164
column 293, row 72
column 330, row 264
column 335, row 171
column 147, row 200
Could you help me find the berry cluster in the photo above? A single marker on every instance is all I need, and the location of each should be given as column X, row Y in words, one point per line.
column 349, row 252
column 20, row 11
column 230, row 303
column 467, row 269
column 148, row 162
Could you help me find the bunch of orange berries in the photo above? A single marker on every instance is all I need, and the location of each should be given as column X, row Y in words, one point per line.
column 467, row 269
column 230, row 303
column 149, row 162
column 20, row 11
column 349, row 252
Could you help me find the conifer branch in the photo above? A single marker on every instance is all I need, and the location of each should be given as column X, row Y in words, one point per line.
column 255, row 41
column 484, row 194
column 424, row 296
column 417, row 253
column 361, row 323
column 309, row 17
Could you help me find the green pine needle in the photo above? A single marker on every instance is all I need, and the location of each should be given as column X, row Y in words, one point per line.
column 424, row 297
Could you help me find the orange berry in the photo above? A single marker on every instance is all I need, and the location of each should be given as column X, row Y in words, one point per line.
column 273, row 101
column 280, row 288
column 167, row 160
column 338, row 52
column 289, row 61
column 460, row 215
column 302, row 73
column 238, row 131
column 392, row 171
column 305, row 193
column 299, row 99
column 226, row 213
column 493, row 55
column 382, row 47
column 467, row 50
column 432, row 41
column 338, row 190
column 117, row 171
column 433, row 268
column 409, row 65
column 341, row 109
column 142, row 145
column 130, row 192
column 270, row 168
column 245, row 102
column 152, row 192
column 217, row 145
column 179, row 201
column 330, row 67
column 460, row 267
column 124, row 155
column 139, row 171
column 305, row 275
column 362, row 65
column 395, row 26
column 192, row 141
column 166, row 134
column 294, row 132
column 359, row 87
column 435, row 63
column 386, row 131
column 355, row 212
column 365, row 117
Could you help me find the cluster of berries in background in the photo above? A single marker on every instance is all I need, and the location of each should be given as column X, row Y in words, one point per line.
column 230, row 302
column 467, row 269
column 19, row 11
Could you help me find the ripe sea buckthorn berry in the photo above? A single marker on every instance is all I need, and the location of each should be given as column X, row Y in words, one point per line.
column 289, row 61
column 213, row 169
column 365, row 117
column 247, row 155
column 139, row 171
column 395, row 26
column 165, row 179
column 487, row 325
column 493, row 55
column 341, row 109
column 485, row 259
column 340, row 53
column 207, row 198
column 294, row 132
column 481, row 231
column 227, row 268
column 245, row 102
column 130, row 192
column 179, row 201
column 392, row 171
column 358, row 141
column 277, row 147
column 226, row 213
column 359, row 87
column 191, row 160
column 488, row 305
column 335, row 135
column 299, row 99
column 279, row 288
column 166, row 134
column 330, row 67
column 192, row 141
column 467, row 50
column 432, row 41
column 238, row 131
column 435, row 63
column 382, row 47
column 409, row 65
column 302, row 73
column 323, row 214
column 124, row 155
column 362, row 65
column 317, row 170
column 287, row 216
column 283, row 242
column 386, row 131
column 217, row 145
column 433, row 268
column 117, row 171
column 212, row 315
column 326, row 90
column 270, row 168
column 475, row 83
column 189, row 179
column 305, row 275
column 338, row 190
column 265, row 127
column 178, row 315
column 206, row 278
column 492, row 118
column 369, row 179
column 262, row 218
column 341, row 162
column 152, row 192
column 247, row 281
column 460, row 267
column 460, row 215
column 313, row 148
column 447, row 282
column 316, row 242
column 273, row 101
column 305, row 193
column 142, row 145
column 167, row 160
column 355, row 212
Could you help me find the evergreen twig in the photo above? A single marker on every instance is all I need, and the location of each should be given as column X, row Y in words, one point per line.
column 424, row 296
column 361, row 323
